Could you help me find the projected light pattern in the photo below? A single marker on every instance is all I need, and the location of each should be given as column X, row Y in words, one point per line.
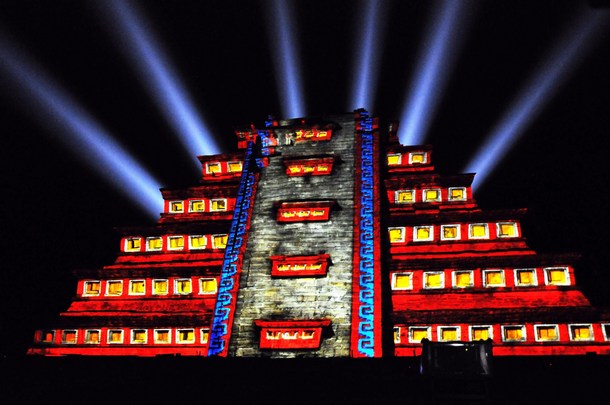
column 79, row 131
column 367, row 55
column 431, row 73
column 539, row 90
column 287, row 63
column 162, row 82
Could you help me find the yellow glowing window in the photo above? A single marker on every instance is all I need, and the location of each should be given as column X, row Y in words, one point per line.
column 197, row 242
column 308, row 169
column 317, row 213
column 478, row 231
column 396, row 235
column 176, row 242
column 298, row 267
column 160, row 287
column 115, row 336
column 133, row 244
column 220, row 241
column 153, row 244
column 322, row 134
column 322, row 168
column 92, row 288
column 462, row 279
column 162, row 336
column 557, row 276
column 513, row 333
column 405, row 196
column 176, row 206
column 448, row 334
column 307, row 334
column 288, row 335
column 546, row 332
column 273, row 335
column 581, row 332
column 525, row 277
column 493, row 278
column 479, row 333
column 196, row 206
column 288, row 214
column 457, row 194
column 92, row 337
column 397, row 335
column 137, row 287
column 295, row 169
column 185, row 336
column 394, row 159
column 283, row 267
column 212, row 168
column 218, row 205
column 303, row 213
column 182, row 286
column 507, row 230
column 606, row 330
column 417, row 157
column 207, row 286
column 423, row 233
column 433, row 280
column 450, row 232
column 139, row 336
column 432, row 195
column 234, row 167
column 114, row 287
column 204, row 335
column 416, row 334
column 316, row 266
column 402, row 281
column 69, row 337
column 48, row 336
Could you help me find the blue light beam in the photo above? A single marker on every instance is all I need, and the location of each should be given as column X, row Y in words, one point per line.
column 548, row 78
column 366, row 55
column 442, row 41
column 160, row 80
column 79, row 131
column 287, row 62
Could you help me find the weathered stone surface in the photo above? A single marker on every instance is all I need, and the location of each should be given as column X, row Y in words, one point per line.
column 263, row 297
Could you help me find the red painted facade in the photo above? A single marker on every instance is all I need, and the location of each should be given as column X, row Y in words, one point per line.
column 442, row 268
column 459, row 273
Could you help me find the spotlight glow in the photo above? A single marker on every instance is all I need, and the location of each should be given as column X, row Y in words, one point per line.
column 431, row 74
column 287, row 63
column 79, row 131
column 364, row 81
column 161, row 81
column 546, row 81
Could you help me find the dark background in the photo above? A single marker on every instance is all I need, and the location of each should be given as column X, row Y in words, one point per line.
column 57, row 214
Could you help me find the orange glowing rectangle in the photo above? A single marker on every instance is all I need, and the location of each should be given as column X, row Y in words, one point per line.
column 299, row 266
column 291, row 334
column 304, row 211
column 314, row 166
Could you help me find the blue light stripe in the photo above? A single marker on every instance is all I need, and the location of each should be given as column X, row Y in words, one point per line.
column 161, row 81
column 78, row 131
column 546, row 81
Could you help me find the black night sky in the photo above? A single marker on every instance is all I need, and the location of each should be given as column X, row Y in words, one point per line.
column 58, row 214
